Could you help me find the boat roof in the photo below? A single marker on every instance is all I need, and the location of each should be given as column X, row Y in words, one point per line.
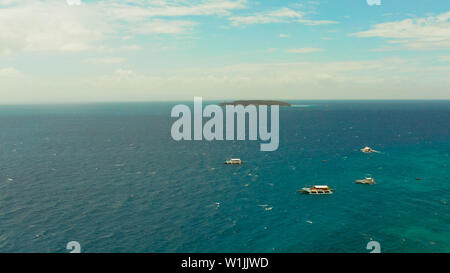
column 321, row 187
column 235, row 159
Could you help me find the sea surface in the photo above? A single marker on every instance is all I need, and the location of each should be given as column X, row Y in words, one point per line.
column 110, row 177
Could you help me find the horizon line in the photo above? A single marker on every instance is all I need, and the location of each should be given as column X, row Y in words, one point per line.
column 210, row 100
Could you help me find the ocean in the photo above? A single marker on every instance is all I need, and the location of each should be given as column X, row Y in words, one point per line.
column 110, row 177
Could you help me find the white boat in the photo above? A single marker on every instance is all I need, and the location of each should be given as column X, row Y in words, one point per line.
column 367, row 150
column 320, row 189
column 234, row 161
column 367, row 181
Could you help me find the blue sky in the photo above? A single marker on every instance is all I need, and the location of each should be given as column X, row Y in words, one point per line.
column 140, row 50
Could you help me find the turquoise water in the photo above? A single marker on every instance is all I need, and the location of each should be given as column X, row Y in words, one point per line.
column 110, row 177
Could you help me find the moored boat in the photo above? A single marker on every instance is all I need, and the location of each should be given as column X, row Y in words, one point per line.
column 367, row 181
column 318, row 189
column 367, row 150
column 234, row 161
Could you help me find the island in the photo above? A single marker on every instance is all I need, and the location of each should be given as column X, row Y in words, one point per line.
column 256, row 102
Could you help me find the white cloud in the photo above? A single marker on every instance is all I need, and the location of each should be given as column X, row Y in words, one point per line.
column 65, row 26
column 373, row 79
column 316, row 22
column 124, row 74
column 127, row 37
column 305, row 50
column 7, row 2
column 159, row 26
column 10, row 72
column 276, row 16
column 129, row 48
column 283, row 15
column 430, row 33
column 49, row 26
column 105, row 60
column 73, row 2
column 122, row 9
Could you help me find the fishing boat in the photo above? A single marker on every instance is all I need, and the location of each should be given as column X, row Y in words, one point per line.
column 367, row 150
column 234, row 161
column 320, row 189
column 367, row 181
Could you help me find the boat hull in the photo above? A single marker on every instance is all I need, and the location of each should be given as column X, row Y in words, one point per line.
column 365, row 182
column 313, row 192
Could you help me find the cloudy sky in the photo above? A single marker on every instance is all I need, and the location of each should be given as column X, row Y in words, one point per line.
column 142, row 50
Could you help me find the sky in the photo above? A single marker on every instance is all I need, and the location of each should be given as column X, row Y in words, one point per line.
column 58, row 51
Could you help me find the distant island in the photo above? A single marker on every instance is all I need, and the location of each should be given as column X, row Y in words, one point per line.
column 256, row 102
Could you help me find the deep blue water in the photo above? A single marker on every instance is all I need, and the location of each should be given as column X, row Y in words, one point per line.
column 110, row 177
